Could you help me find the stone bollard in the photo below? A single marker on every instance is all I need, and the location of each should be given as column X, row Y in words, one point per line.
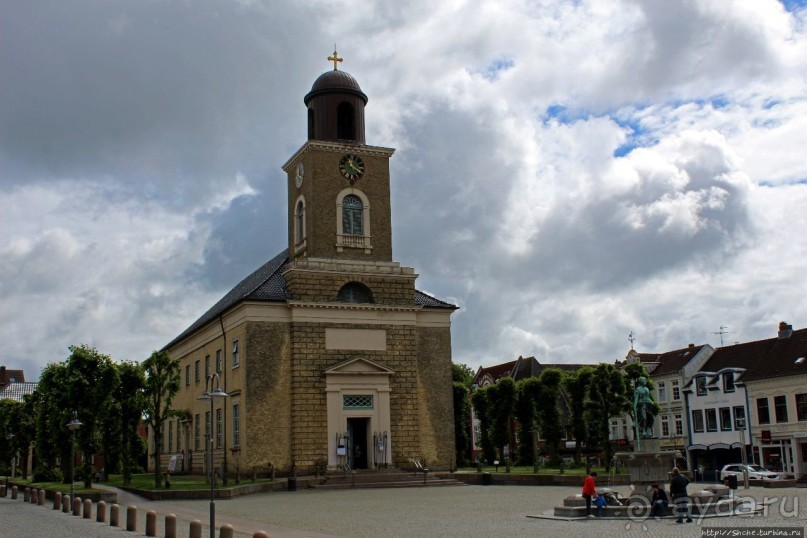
column 171, row 526
column 3, row 490
column 66, row 504
column 151, row 523
column 87, row 508
column 57, row 500
column 260, row 534
column 40, row 499
column 226, row 531
column 114, row 516
column 14, row 491
column 100, row 514
column 77, row 506
column 34, row 495
column 131, row 518
column 26, row 495
column 195, row 530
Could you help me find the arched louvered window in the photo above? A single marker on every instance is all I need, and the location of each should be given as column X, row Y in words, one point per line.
column 299, row 218
column 345, row 122
column 352, row 215
column 355, row 292
column 311, row 124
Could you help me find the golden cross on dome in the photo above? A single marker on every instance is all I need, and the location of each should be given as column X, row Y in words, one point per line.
column 335, row 58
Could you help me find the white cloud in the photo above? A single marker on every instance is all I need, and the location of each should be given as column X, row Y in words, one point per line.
column 566, row 171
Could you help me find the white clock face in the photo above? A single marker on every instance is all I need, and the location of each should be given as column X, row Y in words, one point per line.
column 300, row 174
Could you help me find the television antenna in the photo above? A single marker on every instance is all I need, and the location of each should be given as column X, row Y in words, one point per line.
column 721, row 332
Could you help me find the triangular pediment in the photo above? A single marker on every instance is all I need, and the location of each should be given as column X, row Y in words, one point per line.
column 360, row 366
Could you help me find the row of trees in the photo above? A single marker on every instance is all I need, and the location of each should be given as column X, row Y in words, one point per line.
column 583, row 400
column 109, row 398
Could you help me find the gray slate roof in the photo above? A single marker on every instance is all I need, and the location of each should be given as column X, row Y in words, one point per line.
column 267, row 284
column 15, row 391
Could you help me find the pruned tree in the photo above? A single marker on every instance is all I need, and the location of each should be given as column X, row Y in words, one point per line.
column 527, row 393
column 482, row 409
column 548, row 413
column 575, row 385
column 462, row 423
column 606, row 399
column 501, row 407
column 162, row 383
column 130, row 402
column 91, row 378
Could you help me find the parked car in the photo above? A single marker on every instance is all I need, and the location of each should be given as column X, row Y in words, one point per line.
column 755, row 472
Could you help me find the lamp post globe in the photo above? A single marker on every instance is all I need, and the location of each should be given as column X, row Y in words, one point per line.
column 73, row 425
column 212, row 393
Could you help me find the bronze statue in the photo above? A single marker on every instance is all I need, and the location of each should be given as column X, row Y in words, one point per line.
column 644, row 409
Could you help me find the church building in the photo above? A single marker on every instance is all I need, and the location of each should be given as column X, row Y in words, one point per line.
column 328, row 354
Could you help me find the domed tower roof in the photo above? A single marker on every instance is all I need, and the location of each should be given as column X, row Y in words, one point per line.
column 336, row 107
column 335, row 82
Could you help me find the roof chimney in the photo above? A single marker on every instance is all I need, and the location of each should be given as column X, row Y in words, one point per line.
column 691, row 345
column 785, row 330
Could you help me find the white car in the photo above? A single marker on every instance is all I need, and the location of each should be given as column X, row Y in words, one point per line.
column 755, row 472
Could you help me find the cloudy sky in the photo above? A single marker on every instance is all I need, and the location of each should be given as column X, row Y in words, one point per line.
column 566, row 171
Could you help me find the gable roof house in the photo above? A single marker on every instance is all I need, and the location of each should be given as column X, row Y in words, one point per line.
column 749, row 401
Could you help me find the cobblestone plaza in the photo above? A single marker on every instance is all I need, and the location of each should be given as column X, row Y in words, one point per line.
column 467, row 511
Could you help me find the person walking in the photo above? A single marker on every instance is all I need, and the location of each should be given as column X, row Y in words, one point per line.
column 678, row 492
column 658, row 502
column 589, row 491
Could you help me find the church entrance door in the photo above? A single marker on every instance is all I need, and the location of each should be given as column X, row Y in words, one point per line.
column 357, row 431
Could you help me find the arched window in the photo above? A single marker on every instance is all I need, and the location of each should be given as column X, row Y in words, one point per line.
column 299, row 221
column 352, row 215
column 345, row 122
column 311, row 124
column 354, row 292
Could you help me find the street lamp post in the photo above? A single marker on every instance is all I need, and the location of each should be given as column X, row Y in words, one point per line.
column 741, row 429
column 9, row 438
column 211, row 393
column 73, row 425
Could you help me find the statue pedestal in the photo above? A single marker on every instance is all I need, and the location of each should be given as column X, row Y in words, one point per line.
column 646, row 468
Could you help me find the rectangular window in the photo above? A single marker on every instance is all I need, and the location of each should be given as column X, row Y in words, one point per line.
column 196, row 432
column 700, row 386
column 170, row 436
column 207, row 366
column 196, row 372
column 208, row 428
column 763, row 411
column 801, row 406
column 739, row 417
column 614, row 430
column 236, row 426
column 711, row 420
column 780, row 406
column 218, row 361
column 725, row 419
column 218, row 428
column 728, row 382
column 357, row 401
column 676, row 391
column 179, row 435
column 187, row 375
column 236, row 358
column 679, row 424
column 665, row 426
column 697, row 420
column 662, row 392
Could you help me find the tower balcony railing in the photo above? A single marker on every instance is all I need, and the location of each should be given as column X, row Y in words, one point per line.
column 353, row 241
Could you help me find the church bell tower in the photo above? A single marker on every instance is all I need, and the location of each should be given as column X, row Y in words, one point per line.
column 339, row 216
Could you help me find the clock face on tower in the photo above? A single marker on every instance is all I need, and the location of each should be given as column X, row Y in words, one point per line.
column 352, row 167
column 300, row 174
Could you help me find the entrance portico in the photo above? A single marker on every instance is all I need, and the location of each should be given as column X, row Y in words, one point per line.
column 358, row 400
